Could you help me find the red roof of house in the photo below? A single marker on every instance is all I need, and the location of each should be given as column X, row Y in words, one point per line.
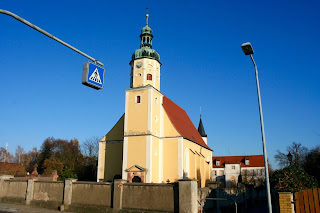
column 254, row 161
column 182, row 122
column 11, row 168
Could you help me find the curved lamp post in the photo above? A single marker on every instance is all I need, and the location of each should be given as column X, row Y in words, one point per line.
column 247, row 49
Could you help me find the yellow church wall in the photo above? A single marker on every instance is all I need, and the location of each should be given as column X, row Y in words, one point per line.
column 170, row 159
column 137, row 113
column 156, row 105
column 136, row 151
column 198, row 167
column 137, row 74
column 192, row 165
column 168, row 129
column 155, row 160
column 157, row 76
column 113, row 159
column 101, row 160
column 149, row 66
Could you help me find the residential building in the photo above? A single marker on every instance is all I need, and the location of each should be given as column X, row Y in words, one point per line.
column 154, row 141
column 227, row 170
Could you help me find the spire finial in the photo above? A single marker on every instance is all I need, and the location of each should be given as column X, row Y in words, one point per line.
column 200, row 112
column 147, row 15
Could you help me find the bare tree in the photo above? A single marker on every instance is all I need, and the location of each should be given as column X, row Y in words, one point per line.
column 5, row 156
column 19, row 154
column 298, row 152
column 90, row 147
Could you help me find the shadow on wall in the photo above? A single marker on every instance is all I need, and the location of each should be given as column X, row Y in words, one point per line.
column 247, row 197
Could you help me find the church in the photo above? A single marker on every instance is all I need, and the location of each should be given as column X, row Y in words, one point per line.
column 154, row 141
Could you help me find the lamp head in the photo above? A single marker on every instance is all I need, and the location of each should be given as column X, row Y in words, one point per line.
column 247, row 48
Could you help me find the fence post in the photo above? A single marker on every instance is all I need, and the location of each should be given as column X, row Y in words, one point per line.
column 117, row 194
column 67, row 194
column 286, row 202
column 29, row 194
column 188, row 196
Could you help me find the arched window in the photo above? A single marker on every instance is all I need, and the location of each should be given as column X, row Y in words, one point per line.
column 149, row 77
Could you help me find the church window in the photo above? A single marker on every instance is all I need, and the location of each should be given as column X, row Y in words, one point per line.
column 144, row 40
column 148, row 40
column 149, row 77
column 138, row 99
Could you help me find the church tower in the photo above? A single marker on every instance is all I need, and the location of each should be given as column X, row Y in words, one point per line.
column 142, row 113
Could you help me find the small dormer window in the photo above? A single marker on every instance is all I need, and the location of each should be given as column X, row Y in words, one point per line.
column 217, row 162
column 247, row 161
column 149, row 77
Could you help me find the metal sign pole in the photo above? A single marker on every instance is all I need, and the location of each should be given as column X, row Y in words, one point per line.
column 48, row 34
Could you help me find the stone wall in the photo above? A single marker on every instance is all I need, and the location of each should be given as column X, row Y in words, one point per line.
column 95, row 193
column 47, row 194
column 102, row 197
column 148, row 196
column 14, row 189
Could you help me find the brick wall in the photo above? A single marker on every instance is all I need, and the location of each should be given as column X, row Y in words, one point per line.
column 285, row 202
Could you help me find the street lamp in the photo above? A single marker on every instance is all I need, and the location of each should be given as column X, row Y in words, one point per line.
column 289, row 156
column 247, row 49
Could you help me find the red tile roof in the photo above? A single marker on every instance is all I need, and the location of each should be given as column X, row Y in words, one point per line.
column 254, row 160
column 12, row 169
column 182, row 122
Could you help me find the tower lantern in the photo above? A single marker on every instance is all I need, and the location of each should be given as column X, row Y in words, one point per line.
column 145, row 63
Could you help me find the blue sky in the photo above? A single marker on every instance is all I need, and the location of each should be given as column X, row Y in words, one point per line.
column 202, row 66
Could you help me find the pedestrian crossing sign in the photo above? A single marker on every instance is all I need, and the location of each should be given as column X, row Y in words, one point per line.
column 93, row 75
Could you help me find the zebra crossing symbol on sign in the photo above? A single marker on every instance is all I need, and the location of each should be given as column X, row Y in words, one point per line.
column 95, row 76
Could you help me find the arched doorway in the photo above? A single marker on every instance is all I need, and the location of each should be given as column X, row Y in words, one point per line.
column 136, row 179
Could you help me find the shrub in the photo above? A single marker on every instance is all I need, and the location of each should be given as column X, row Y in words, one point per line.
column 292, row 179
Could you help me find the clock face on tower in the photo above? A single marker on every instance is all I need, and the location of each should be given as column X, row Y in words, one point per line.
column 139, row 64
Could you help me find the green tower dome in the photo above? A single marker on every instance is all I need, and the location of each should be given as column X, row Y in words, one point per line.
column 146, row 50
